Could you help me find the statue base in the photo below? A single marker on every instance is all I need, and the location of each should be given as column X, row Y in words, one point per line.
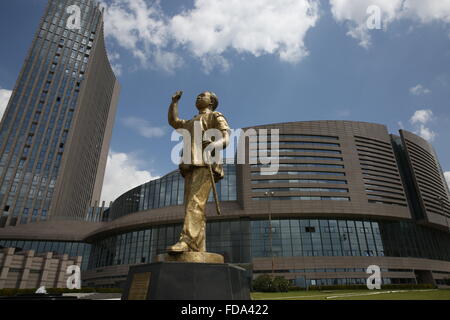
column 195, row 257
column 187, row 281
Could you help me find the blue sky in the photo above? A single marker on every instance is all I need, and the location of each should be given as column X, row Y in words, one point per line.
column 275, row 64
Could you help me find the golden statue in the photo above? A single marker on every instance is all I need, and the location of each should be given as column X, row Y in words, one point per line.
column 200, row 174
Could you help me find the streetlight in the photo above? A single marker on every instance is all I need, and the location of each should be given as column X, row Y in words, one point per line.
column 269, row 195
column 442, row 203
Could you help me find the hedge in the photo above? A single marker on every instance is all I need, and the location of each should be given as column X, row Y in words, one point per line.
column 267, row 283
column 383, row 286
column 13, row 292
column 297, row 288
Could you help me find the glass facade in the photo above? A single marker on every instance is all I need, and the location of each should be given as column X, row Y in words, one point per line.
column 73, row 249
column 230, row 238
column 36, row 125
column 313, row 237
column 406, row 239
column 97, row 214
column 168, row 191
column 241, row 240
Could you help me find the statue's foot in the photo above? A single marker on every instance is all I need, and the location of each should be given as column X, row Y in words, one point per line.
column 178, row 248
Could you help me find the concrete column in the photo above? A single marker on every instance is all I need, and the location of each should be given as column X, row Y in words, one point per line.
column 4, row 268
column 45, row 268
column 27, row 262
column 61, row 273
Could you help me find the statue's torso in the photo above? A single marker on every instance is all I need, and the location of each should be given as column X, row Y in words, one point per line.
column 198, row 126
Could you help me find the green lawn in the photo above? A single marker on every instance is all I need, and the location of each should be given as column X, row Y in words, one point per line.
column 429, row 294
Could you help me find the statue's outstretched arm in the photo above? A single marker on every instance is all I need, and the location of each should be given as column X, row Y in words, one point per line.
column 174, row 120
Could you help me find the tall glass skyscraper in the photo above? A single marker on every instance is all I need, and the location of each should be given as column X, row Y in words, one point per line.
column 56, row 130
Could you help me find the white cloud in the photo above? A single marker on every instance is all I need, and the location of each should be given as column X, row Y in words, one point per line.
column 210, row 62
column 419, row 90
column 117, row 67
column 133, row 21
column 256, row 27
column 210, row 29
column 4, row 99
column 354, row 14
column 344, row 113
column 447, row 177
column 122, row 174
column 428, row 10
column 141, row 29
column 426, row 133
column 143, row 127
column 420, row 118
column 167, row 61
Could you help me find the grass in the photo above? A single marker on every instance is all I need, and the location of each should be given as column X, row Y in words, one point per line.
column 427, row 294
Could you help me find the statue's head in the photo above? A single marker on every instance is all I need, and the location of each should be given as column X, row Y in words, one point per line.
column 207, row 100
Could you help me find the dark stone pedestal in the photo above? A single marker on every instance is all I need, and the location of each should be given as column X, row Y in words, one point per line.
column 186, row 281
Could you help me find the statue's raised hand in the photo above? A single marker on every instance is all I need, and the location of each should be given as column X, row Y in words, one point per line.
column 177, row 96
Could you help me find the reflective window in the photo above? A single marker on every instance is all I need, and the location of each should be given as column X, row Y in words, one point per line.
column 168, row 191
column 241, row 240
column 73, row 249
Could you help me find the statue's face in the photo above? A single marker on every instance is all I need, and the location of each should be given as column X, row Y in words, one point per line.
column 203, row 101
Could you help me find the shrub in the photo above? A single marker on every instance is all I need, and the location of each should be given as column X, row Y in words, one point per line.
column 263, row 283
column 383, row 286
column 339, row 287
column 267, row 283
column 280, row 284
column 296, row 288
column 408, row 286
column 13, row 292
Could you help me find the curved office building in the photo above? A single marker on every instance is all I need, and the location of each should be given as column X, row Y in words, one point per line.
column 345, row 195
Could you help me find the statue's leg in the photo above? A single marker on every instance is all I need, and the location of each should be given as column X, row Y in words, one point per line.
column 182, row 244
column 198, row 190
